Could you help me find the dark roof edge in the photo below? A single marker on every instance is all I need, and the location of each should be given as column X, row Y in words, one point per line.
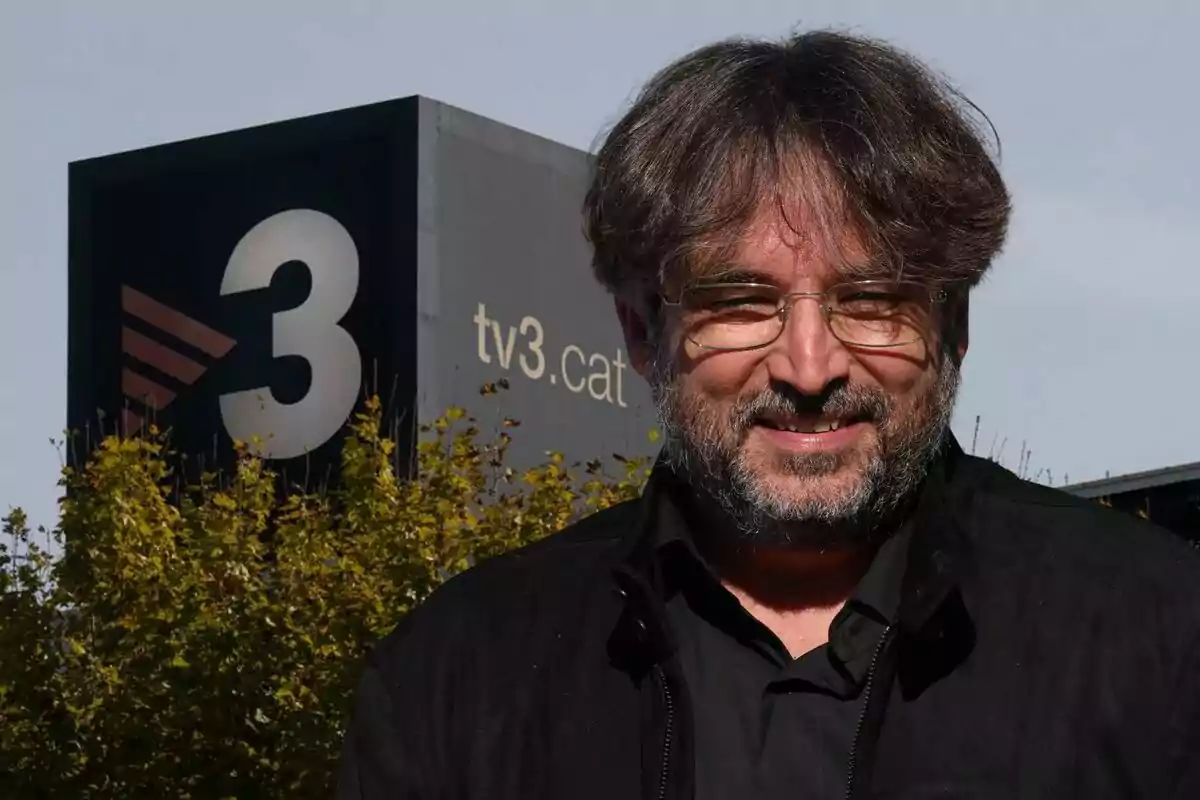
column 1136, row 481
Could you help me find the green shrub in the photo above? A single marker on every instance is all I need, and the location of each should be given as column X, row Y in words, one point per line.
column 204, row 641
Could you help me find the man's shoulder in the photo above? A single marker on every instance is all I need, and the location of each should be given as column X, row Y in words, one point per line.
column 525, row 593
column 579, row 548
column 1077, row 538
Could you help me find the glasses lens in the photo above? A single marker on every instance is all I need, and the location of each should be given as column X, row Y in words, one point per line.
column 731, row 316
column 880, row 313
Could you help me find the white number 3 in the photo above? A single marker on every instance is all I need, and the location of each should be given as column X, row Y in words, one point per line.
column 310, row 330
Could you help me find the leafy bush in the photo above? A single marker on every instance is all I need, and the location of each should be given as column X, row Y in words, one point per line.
column 204, row 641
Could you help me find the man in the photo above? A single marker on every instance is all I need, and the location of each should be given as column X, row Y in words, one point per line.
column 819, row 595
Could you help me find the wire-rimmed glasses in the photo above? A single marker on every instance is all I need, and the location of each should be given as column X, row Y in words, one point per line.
column 747, row 316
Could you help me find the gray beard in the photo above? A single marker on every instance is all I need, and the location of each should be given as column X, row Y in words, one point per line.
column 705, row 448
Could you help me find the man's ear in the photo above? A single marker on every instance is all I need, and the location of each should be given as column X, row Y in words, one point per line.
column 638, row 332
column 959, row 325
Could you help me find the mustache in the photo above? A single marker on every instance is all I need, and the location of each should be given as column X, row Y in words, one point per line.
column 843, row 400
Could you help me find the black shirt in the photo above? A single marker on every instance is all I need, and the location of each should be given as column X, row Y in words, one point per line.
column 767, row 725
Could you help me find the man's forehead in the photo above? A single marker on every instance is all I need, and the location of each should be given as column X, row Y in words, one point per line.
column 783, row 249
column 800, row 239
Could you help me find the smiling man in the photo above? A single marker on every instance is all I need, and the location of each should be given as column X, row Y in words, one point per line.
column 819, row 594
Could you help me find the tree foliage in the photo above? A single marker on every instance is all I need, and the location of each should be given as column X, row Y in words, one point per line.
column 204, row 641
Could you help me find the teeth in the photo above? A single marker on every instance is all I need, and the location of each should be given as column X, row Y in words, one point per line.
column 818, row 427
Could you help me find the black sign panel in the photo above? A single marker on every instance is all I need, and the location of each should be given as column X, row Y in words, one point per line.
column 232, row 287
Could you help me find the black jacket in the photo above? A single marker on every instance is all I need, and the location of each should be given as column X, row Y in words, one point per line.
column 1045, row 647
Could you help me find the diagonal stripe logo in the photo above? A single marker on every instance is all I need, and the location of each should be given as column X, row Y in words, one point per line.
column 144, row 351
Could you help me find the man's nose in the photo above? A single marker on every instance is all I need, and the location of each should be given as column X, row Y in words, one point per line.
column 811, row 357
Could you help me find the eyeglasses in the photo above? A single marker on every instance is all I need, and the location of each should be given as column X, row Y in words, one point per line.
column 747, row 316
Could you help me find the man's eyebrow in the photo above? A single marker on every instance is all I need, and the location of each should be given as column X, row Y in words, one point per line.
column 740, row 273
column 737, row 273
column 864, row 271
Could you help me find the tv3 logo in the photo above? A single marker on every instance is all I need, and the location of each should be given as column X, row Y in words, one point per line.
column 311, row 331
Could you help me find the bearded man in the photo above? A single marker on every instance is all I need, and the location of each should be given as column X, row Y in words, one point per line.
column 819, row 594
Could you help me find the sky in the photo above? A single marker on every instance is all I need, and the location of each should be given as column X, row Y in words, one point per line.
column 1083, row 339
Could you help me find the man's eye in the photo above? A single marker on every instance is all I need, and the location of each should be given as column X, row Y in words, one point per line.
column 725, row 300
column 743, row 301
column 871, row 301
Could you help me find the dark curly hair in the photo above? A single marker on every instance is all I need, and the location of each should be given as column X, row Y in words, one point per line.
column 837, row 130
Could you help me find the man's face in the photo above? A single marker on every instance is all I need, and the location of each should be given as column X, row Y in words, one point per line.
column 807, row 441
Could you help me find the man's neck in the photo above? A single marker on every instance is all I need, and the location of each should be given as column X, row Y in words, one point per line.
column 793, row 580
column 795, row 594
column 780, row 575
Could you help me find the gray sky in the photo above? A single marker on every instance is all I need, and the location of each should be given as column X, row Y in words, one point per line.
column 1089, row 318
